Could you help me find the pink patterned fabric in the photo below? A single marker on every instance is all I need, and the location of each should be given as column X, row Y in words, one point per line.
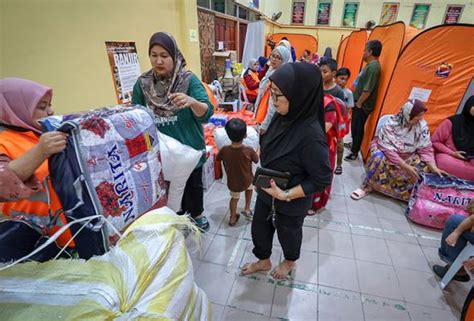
column 444, row 148
column 18, row 100
column 436, row 198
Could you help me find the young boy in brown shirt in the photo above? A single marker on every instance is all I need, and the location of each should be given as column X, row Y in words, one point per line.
column 237, row 160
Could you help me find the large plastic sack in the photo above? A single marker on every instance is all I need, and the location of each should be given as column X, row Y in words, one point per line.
column 222, row 139
column 435, row 198
column 148, row 275
column 111, row 167
column 179, row 161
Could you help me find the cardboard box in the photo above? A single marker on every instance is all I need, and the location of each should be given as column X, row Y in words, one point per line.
column 208, row 177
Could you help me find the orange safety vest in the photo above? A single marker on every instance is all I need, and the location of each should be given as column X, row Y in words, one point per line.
column 38, row 207
column 253, row 92
column 211, row 96
column 262, row 108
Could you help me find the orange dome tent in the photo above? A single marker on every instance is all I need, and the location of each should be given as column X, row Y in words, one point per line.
column 299, row 41
column 341, row 50
column 436, row 66
column 352, row 53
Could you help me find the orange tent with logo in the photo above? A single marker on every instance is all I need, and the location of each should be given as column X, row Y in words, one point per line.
column 352, row 52
column 299, row 41
column 437, row 66
column 392, row 37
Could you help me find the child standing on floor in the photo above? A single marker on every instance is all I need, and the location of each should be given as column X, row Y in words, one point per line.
column 237, row 160
column 329, row 72
column 342, row 76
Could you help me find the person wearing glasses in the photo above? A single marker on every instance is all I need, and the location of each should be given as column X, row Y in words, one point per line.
column 264, row 109
column 295, row 142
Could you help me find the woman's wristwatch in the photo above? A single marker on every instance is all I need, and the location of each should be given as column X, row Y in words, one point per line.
column 287, row 195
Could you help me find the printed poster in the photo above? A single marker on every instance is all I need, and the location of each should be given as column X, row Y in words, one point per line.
column 298, row 12
column 452, row 15
column 389, row 13
column 420, row 94
column 419, row 16
column 324, row 13
column 125, row 68
column 349, row 18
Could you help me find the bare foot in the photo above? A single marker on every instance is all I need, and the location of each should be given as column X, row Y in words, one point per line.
column 259, row 266
column 283, row 270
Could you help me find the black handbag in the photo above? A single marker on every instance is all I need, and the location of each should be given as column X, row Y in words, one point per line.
column 264, row 175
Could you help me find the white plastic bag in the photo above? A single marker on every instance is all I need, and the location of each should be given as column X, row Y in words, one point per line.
column 222, row 139
column 178, row 162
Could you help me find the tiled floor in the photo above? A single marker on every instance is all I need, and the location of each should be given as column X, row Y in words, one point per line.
column 360, row 261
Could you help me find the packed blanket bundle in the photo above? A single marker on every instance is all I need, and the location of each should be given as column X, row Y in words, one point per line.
column 111, row 167
column 148, row 275
column 435, row 198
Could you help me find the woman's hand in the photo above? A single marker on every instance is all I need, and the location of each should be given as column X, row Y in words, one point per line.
column 459, row 155
column 51, row 143
column 436, row 170
column 275, row 192
column 411, row 170
column 181, row 100
column 469, row 264
column 452, row 238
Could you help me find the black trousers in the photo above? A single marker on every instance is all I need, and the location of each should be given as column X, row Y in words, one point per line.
column 289, row 230
column 192, row 201
column 359, row 117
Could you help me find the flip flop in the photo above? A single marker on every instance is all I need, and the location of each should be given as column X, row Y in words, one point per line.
column 248, row 214
column 338, row 170
column 359, row 194
column 236, row 220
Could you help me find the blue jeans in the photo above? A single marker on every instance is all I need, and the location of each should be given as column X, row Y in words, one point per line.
column 449, row 253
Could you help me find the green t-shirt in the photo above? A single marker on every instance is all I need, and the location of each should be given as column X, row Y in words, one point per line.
column 184, row 126
column 369, row 80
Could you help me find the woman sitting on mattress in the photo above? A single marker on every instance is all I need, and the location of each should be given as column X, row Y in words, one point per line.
column 453, row 142
column 399, row 153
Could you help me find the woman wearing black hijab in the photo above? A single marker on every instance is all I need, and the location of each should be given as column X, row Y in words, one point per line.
column 453, row 142
column 296, row 143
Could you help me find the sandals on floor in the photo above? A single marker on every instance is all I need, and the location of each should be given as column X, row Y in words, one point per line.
column 338, row 170
column 247, row 214
column 236, row 220
column 359, row 194
column 350, row 157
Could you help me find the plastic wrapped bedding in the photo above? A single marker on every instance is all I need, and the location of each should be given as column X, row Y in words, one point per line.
column 434, row 199
column 111, row 167
column 148, row 275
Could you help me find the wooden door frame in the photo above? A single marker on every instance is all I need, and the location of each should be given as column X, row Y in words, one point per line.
column 237, row 28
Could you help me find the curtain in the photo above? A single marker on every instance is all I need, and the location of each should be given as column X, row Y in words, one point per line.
column 254, row 42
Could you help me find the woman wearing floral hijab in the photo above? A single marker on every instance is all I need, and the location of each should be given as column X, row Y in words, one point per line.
column 399, row 153
column 181, row 106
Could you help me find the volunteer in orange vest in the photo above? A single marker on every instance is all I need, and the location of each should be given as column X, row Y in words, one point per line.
column 264, row 106
column 26, row 193
column 251, row 80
